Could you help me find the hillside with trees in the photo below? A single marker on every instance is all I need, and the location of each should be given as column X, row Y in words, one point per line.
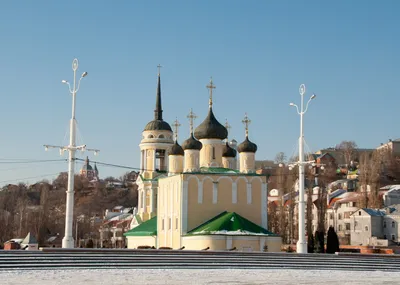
column 40, row 208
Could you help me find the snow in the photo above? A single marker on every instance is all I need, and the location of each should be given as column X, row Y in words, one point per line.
column 225, row 232
column 195, row 277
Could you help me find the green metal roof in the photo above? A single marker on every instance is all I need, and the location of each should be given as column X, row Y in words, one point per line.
column 159, row 172
column 225, row 171
column 147, row 228
column 229, row 223
column 218, row 170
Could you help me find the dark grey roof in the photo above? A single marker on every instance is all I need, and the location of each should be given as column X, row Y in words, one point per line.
column 158, row 125
column 227, row 151
column 374, row 212
column 210, row 128
column 192, row 143
column 176, row 149
column 247, row 146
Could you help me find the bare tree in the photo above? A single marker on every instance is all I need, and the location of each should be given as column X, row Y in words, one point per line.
column 280, row 158
column 349, row 149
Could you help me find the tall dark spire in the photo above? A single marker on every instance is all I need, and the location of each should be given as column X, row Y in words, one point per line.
column 158, row 111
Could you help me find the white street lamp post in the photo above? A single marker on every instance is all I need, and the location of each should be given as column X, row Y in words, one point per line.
column 68, row 240
column 302, row 243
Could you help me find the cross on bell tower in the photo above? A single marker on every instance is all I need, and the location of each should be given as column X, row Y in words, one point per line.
column 176, row 126
column 228, row 127
column 210, row 86
column 191, row 116
column 246, row 121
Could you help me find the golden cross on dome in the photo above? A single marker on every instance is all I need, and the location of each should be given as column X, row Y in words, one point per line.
column 210, row 86
column 159, row 68
column 228, row 128
column 176, row 125
column 191, row 116
column 246, row 121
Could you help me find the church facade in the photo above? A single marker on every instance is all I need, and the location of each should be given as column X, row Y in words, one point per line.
column 192, row 196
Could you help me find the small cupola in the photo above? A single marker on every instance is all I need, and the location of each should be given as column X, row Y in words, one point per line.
column 247, row 150
column 192, row 147
column 227, row 151
column 175, row 154
column 192, row 143
column 247, row 146
column 176, row 149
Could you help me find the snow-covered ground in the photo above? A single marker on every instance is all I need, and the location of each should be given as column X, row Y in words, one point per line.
column 186, row 276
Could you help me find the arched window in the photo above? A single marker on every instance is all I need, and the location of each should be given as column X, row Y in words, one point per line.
column 161, row 136
column 150, row 136
column 393, row 224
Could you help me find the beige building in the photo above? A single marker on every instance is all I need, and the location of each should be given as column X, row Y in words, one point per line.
column 193, row 196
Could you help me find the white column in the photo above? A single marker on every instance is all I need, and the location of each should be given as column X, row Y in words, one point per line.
column 171, row 220
column 215, row 192
column 234, row 193
column 154, row 160
column 141, row 161
column 184, row 213
column 249, row 194
column 151, row 200
column 200, row 192
column 145, row 160
column 264, row 206
column 166, row 161
column 144, row 200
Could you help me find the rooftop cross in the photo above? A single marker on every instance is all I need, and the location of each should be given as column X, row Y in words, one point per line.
column 176, row 125
column 246, row 121
column 210, row 86
column 228, row 128
column 191, row 116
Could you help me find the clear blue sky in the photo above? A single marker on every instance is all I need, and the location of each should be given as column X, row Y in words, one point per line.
column 258, row 53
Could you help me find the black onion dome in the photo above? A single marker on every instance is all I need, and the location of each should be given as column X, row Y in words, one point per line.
column 158, row 125
column 247, row 146
column 210, row 128
column 227, row 151
column 192, row 143
column 176, row 149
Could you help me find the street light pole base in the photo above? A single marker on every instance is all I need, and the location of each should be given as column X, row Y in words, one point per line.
column 301, row 247
column 68, row 242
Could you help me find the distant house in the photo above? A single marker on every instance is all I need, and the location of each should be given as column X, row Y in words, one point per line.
column 367, row 227
column 115, row 223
